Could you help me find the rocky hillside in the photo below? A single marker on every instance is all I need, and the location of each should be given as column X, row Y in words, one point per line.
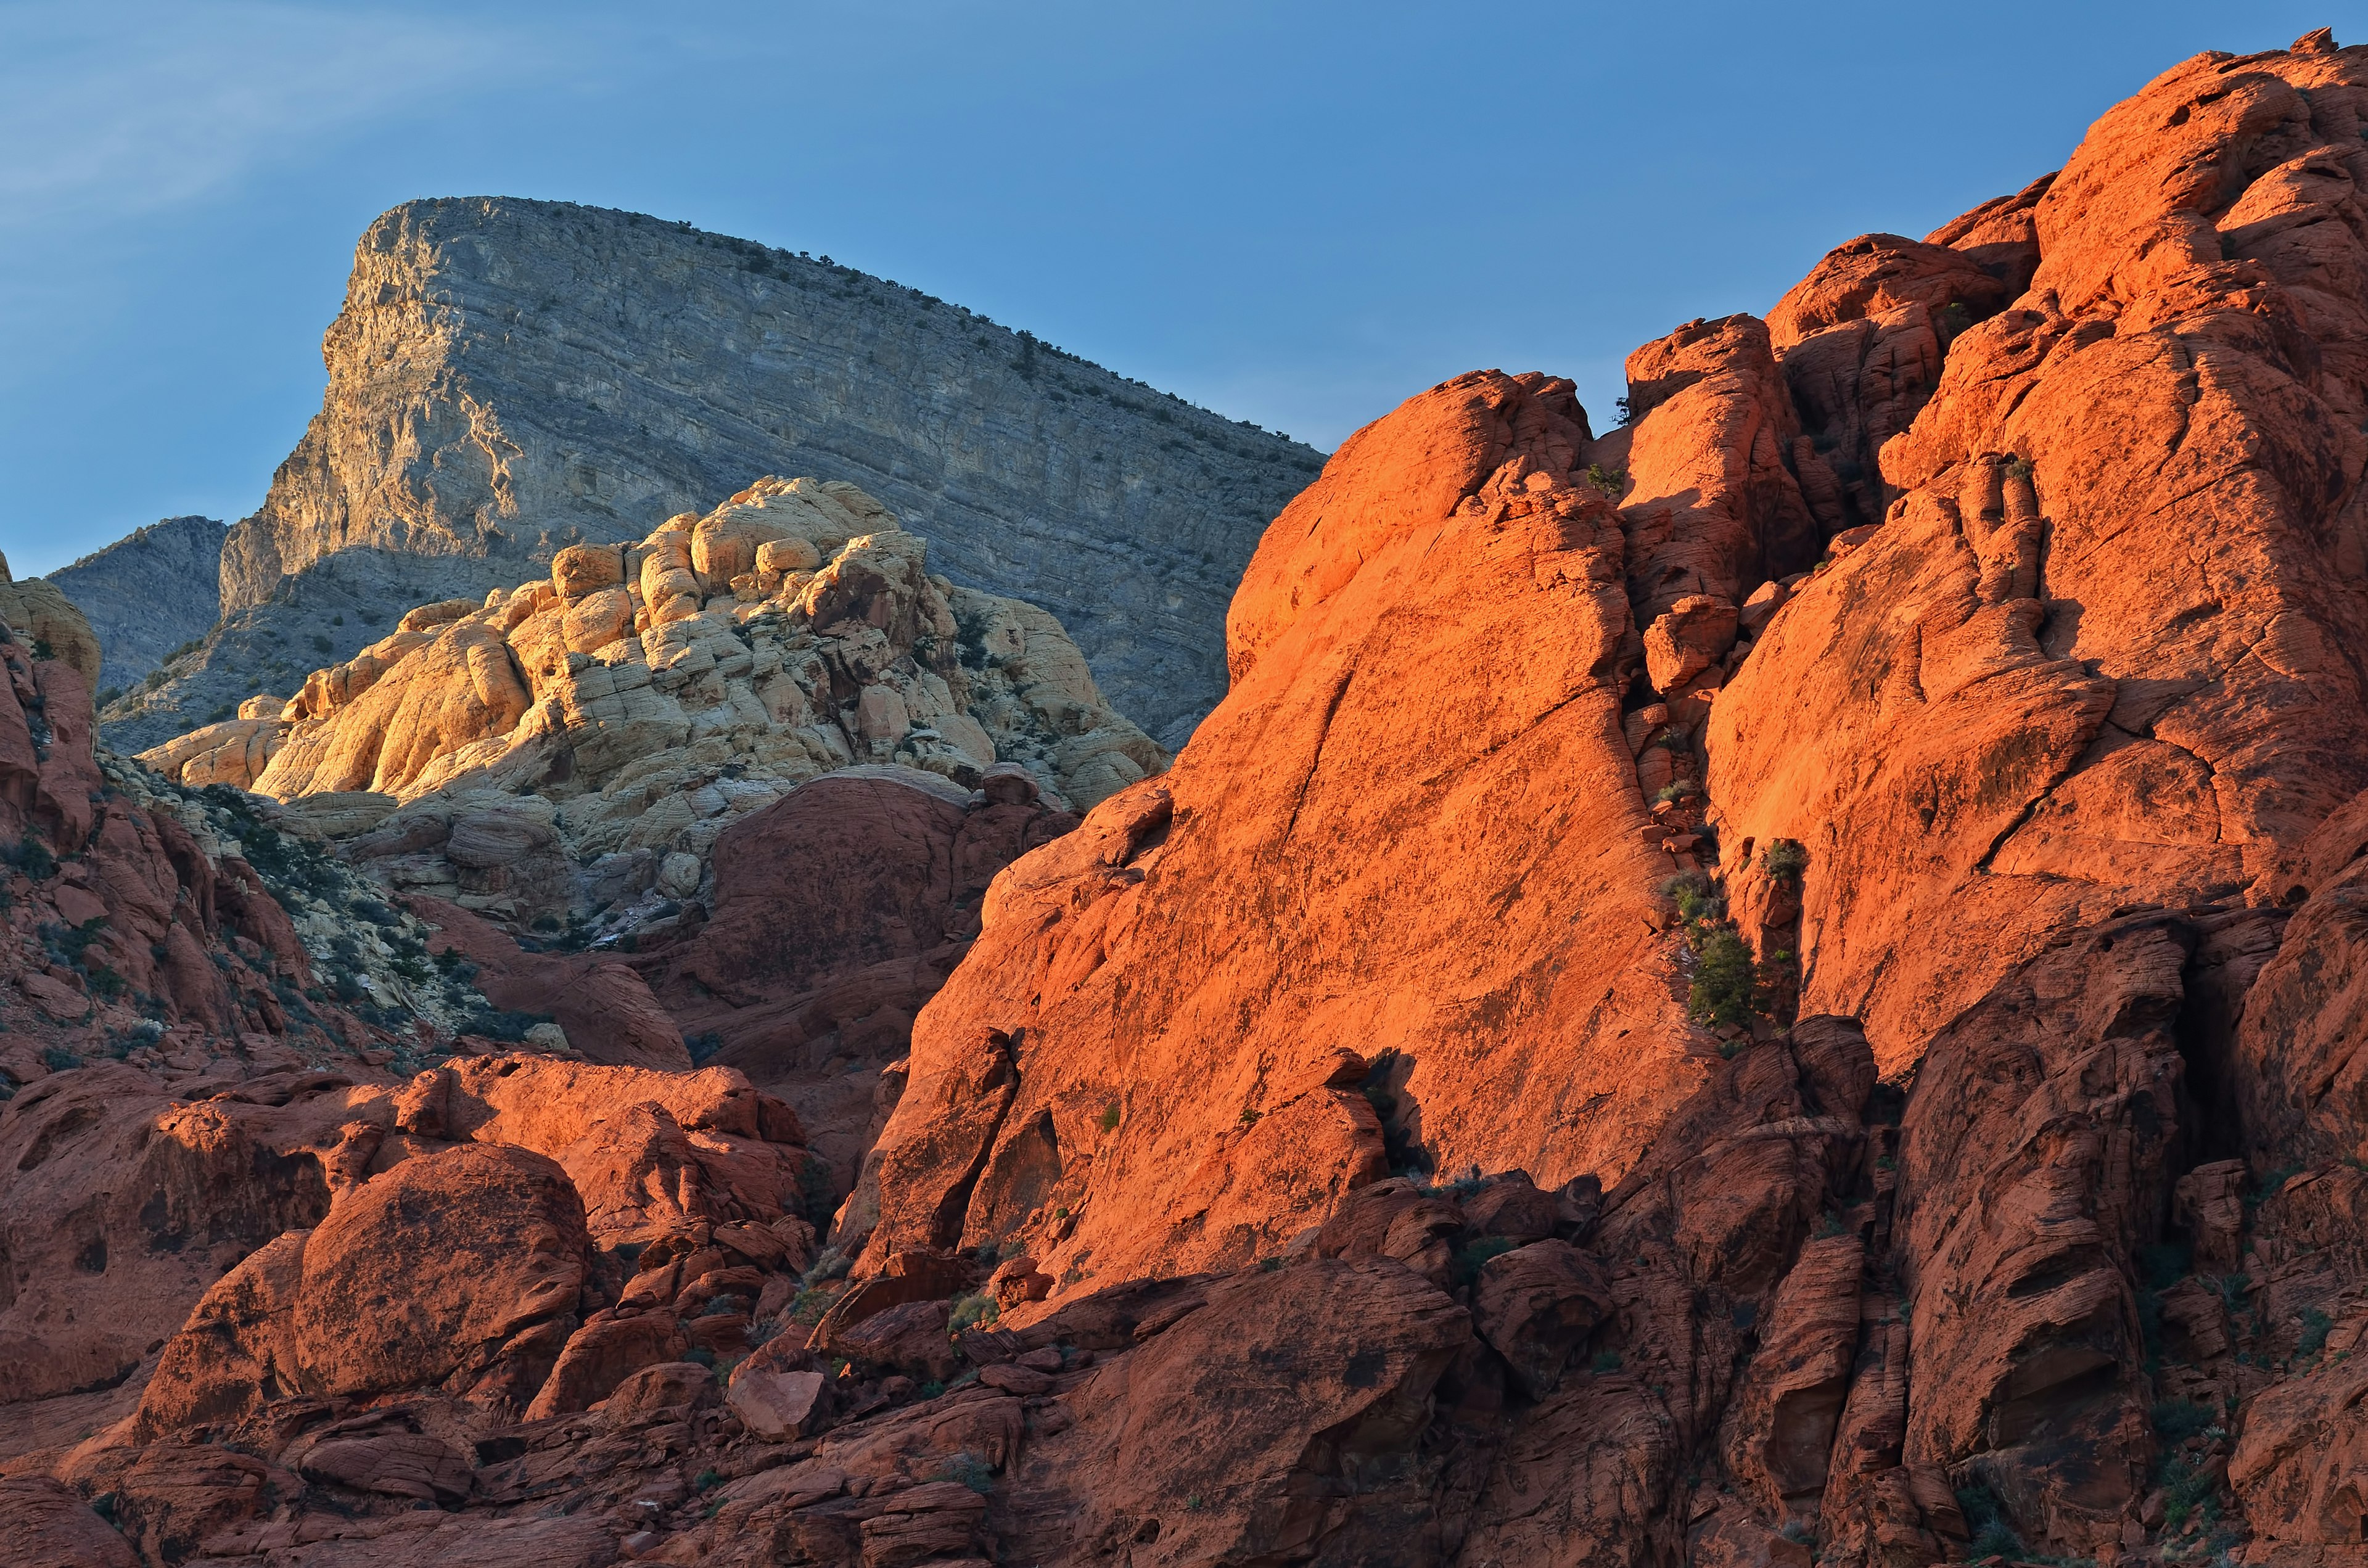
column 1781, row 984
column 508, row 378
column 571, row 751
column 148, row 594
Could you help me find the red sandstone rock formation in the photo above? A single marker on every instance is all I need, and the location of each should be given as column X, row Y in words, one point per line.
column 1153, row 1058
column 838, row 912
column 2038, row 1232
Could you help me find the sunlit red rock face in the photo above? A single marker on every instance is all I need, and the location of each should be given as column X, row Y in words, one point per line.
column 2105, row 649
column 1152, row 1059
column 2037, row 1234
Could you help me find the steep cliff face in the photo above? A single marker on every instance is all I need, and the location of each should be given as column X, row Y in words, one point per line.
column 508, row 378
column 1251, row 920
column 2106, row 647
column 149, row 593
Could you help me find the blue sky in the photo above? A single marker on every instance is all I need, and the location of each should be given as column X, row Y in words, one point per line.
column 1297, row 214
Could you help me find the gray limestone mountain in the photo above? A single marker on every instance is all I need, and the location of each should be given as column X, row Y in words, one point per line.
column 149, row 593
column 510, row 376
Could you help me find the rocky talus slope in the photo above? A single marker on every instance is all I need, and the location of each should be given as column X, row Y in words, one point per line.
column 148, row 594
column 1781, row 984
column 508, row 378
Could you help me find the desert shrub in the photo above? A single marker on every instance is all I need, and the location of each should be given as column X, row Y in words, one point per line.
column 496, row 1023
column 1721, row 993
column 1465, row 1267
column 33, row 858
column 1694, row 895
column 970, row 1470
column 1985, row 1521
column 976, row 1309
column 814, row 1190
column 1785, row 860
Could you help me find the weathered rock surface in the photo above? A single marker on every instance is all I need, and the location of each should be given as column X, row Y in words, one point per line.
column 456, row 424
column 50, row 625
column 1245, row 917
column 556, row 749
column 2053, row 1252
column 838, row 910
column 149, row 593
column 2092, row 657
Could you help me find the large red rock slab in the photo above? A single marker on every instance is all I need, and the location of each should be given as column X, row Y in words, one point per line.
column 643, row 1149
column 2293, row 1073
column 839, row 910
column 601, row 1355
column 50, row 1526
column 1791, row 1402
column 466, row 1264
column 2037, row 1158
column 1235, row 1434
column 1586, row 1477
column 1172, row 980
column 1862, row 340
column 1703, row 1237
column 417, row 1465
column 1711, row 506
column 2302, row 1461
column 1536, row 1306
column 607, row 1010
column 123, row 1204
column 1876, row 273
column 169, row 1498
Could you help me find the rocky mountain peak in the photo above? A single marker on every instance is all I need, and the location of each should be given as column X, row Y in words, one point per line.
column 508, row 378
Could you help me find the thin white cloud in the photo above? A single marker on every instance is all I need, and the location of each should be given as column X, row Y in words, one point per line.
column 112, row 110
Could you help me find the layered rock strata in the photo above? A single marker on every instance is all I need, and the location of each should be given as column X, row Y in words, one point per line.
column 508, row 378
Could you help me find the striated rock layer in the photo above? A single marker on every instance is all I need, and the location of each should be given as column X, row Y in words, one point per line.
column 510, row 377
